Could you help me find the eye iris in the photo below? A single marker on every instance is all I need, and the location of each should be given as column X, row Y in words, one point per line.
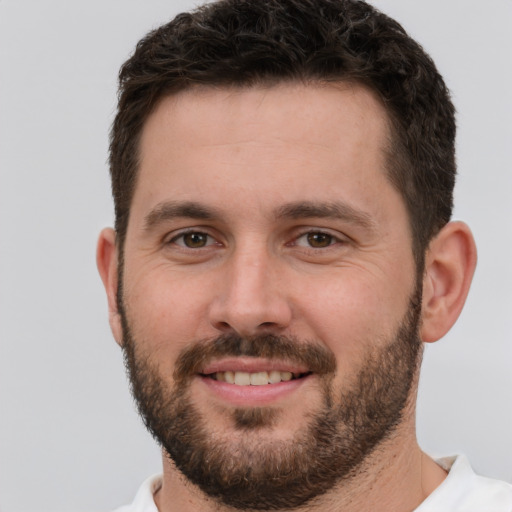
column 195, row 240
column 319, row 239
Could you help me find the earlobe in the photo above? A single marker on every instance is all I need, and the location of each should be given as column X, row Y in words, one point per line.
column 449, row 268
column 107, row 262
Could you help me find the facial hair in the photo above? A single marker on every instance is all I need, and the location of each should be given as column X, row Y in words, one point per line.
column 248, row 472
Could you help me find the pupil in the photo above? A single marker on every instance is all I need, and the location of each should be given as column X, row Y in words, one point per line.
column 319, row 239
column 195, row 240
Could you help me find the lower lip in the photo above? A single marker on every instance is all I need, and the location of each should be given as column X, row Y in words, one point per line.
column 253, row 395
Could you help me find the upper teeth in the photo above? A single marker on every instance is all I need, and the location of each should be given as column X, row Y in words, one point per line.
column 254, row 379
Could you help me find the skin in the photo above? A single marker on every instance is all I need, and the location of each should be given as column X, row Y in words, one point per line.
column 245, row 155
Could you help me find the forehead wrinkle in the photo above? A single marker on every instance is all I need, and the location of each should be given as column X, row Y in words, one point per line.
column 324, row 210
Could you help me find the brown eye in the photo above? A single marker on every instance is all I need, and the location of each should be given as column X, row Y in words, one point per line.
column 193, row 240
column 319, row 240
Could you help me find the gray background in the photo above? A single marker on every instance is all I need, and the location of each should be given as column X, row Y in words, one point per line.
column 70, row 439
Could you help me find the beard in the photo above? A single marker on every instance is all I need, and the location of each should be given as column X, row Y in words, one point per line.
column 246, row 468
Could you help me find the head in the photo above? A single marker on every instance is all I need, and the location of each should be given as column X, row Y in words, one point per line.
column 282, row 174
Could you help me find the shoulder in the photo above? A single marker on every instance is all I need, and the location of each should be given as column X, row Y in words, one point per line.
column 143, row 501
column 465, row 491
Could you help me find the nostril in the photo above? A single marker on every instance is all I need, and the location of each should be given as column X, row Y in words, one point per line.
column 249, row 315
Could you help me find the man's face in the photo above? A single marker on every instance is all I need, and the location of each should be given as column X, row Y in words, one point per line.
column 266, row 243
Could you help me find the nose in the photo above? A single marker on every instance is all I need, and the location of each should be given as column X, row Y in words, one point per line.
column 252, row 296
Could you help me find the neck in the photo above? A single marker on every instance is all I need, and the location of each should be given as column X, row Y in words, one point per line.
column 396, row 477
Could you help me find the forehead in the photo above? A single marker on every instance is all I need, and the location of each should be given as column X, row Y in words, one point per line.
column 264, row 143
column 239, row 114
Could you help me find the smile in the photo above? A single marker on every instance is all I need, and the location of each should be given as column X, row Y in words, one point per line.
column 253, row 382
column 262, row 378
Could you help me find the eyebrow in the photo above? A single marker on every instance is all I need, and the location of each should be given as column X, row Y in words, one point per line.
column 170, row 210
column 331, row 210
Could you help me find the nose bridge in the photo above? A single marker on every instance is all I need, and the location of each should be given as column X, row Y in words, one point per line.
column 250, row 276
column 250, row 298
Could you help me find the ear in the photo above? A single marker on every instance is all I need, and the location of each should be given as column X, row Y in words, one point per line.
column 107, row 262
column 449, row 267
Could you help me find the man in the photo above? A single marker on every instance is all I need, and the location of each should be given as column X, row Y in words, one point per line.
column 282, row 172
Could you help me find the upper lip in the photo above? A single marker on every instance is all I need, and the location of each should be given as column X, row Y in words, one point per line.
column 251, row 365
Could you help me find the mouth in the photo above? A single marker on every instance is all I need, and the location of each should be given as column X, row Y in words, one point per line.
column 253, row 382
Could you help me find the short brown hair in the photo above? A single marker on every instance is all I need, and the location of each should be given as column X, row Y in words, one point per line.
column 250, row 42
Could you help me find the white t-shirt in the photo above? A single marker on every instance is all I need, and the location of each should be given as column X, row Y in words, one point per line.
column 461, row 491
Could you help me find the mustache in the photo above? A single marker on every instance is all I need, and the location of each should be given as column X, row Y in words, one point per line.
column 317, row 358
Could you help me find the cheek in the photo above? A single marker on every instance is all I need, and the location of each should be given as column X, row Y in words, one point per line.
column 165, row 310
column 350, row 314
